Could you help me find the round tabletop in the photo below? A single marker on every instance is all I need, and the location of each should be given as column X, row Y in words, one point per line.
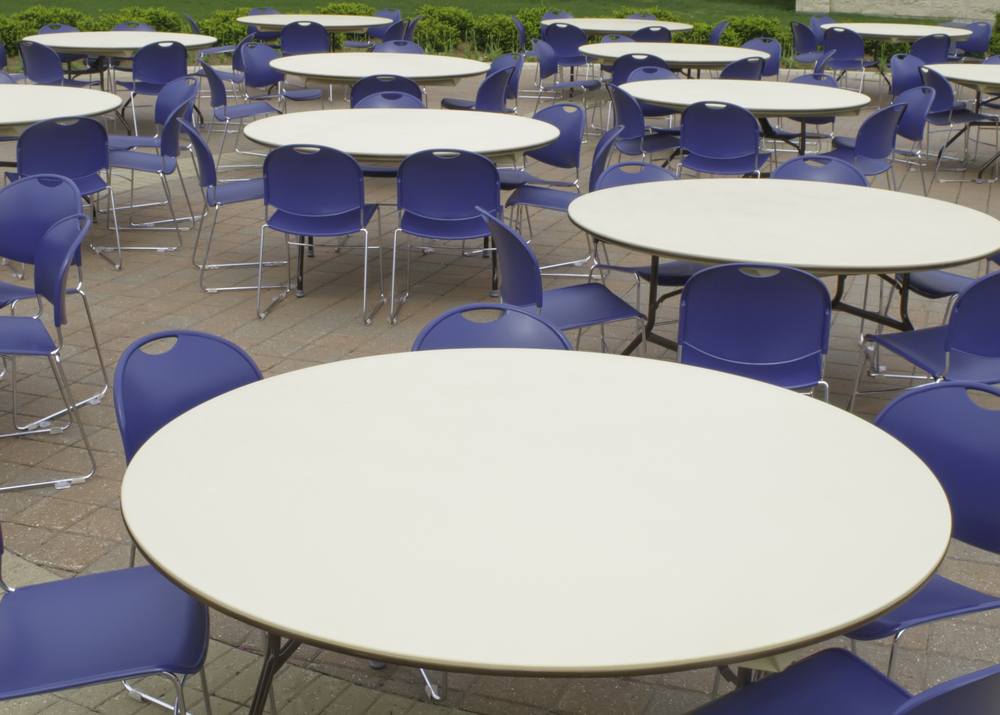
column 981, row 77
column 519, row 545
column 616, row 25
column 775, row 222
column 23, row 105
column 349, row 67
column 117, row 43
column 762, row 99
column 899, row 32
column 676, row 55
column 394, row 134
column 332, row 23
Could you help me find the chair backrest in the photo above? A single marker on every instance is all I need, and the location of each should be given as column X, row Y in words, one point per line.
column 202, row 154
column 57, row 250
column 195, row 30
column 183, row 90
column 905, row 73
column 448, row 185
column 28, row 208
column 617, row 38
column 944, row 95
column 6, row 78
column 716, row 130
column 765, row 322
column 395, row 31
column 715, row 36
column 564, row 152
column 520, row 275
column 918, row 102
column 513, row 328
column 816, row 23
column 824, row 59
column 979, row 41
column 803, row 39
column 159, row 62
column 309, row 180
column 994, row 60
column 627, row 173
column 238, row 52
column 152, row 389
column 627, row 64
column 546, row 56
column 522, row 36
column 389, row 100
column 389, row 13
column 304, row 38
column 75, row 147
column 628, row 113
column 57, row 27
column 565, row 40
column 41, row 63
column 932, row 49
column 132, row 26
column 401, row 46
column 817, row 78
column 820, row 168
column 653, row 33
column 263, row 35
column 748, row 68
column 375, row 84
column 876, row 137
column 956, row 438
column 773, row 49
column 556, row 15
column 601, row 154
column 411, row 28
column 170, row 132
column 257, row 70
column 492, row 93
column 643, row 74
column 974, row 326
column 216, row 87
column 846, row 43
column 514, row 60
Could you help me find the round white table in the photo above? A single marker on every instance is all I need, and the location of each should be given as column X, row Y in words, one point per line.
column 349, row 67
column 571, row 560
column 899, row 32
column 23, row 105
column 119, row 43
column 616, row 26
column 332, row 23
column 825, row 229
column 676, row 55
column 393, row 134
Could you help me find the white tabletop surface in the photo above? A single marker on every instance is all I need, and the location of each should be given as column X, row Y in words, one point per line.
column 492, row 533
column 333, row 23
column 762, row 99
column 117, row 43
column 899, row 32
column 983, row 78
column 23, row 105
column 615, row 25
column 826, row 229
column 674, row 54
column 394, row 134
column 349, row 67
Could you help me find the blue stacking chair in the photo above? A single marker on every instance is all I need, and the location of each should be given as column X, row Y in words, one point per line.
column 390, row 100
column 748, row 68
column 566, row 41
column 634, row 140
column 182, row 90
column 376, row 84
column 391, row 13
column 304, row 38
column 976, row 43
column 153, row 67
column 653, row 33
column 820, row 168
column 931, row 49
column 513, row 328
column 905, row 73
column 405, row 47
column 804, row 47
column 956, row 439
column 607, row 66
column 223, row 112
column 42, row 65
column 772, row 47
column 816, row 23
column 874, row 145
column 489, row 102
column 258, row 73
column 553, row 15
column 720, row 138
column 768, row 323
column 393, row 32
column 644, row 74
column 850, row 52
column 93, row 64
column 491, row 95
column 217, row 50
column 411, row 29
column 522, row 40
column 263, row 35
column 385, row 92
column 563, row 153
column 547, row 67
column 568, row 308
column 715, row 36
column 624, row 66
column 28, row 336
column 439, row 194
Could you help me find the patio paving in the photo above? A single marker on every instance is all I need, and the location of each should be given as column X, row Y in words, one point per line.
column 53, row 533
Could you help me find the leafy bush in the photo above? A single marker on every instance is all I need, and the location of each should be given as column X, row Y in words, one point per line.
column 437, row 37
column 531, row 18
column 159, row 18
column 28, row 22
column 697, row 35
column 346, row 8
column 495, row 33
column 663, row 15
column 462, row 20
column 222, row 25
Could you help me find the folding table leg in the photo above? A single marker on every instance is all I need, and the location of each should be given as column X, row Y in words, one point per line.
column 275, row 656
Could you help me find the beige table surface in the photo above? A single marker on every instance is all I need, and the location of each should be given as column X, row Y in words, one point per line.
column 349, row 67
column 119, row 43
column 762, row 99
column 674, row 54
column 23, row 105
column 394, row 134
column 332, row 23
column 616, row 26
column 826, row 229
column 980, row 77
column 899, row 32
column 494, row 529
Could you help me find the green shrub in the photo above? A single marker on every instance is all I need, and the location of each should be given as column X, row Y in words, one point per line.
column 495, row 33
column 14, row 28
column 159, row 18
column 697, row 35
column 663, row 15
column 222, row 25
column 346, row 8
column 436, row 37
column 462, row 20
column 531, row 18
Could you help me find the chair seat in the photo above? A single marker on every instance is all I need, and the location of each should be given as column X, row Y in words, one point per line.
column 958, row 115
column 303, row 95
column 867, row 165
column 578, row 306
column 234, row 77
column 510, row 179
column 233, row 192
column 21, row 335
column 123, row 624
column 800, row 374
column 937, row 284
column 223, row 49
column 120, row 142
column 847, row 143
column 356, row 44
column 144, row 88
column 939, row 598
column 588, row 84
column 925, row 349
column 850, row 64
column 141, row 161
column 745, row 165
column 648, row 143
column 241, row 111
column 444, row 230
column 338, row 225
column 455, row 103
column 670, row 274
column 807, row 58
column 9, row 292
column 541, row 197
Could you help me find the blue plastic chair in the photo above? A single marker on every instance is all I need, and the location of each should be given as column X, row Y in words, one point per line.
column 258, row 73
column 512, row 61
column 945, row 111
column 23, row 335
column 773, row 48
column 7, row 79
column 720, row 138
column 715, row 36
column 905, row 73
column 625, row 65
column 547, row 67
column 217, row 50
column 913, row 124
column 607, row 66
column 183, row 90
column 820, row 168
column 439, row 194
column 568, row 308
column 768, row 323
column 491, row 95
column 976, row 43
column 634, row 140
column 956, row 439
column 316, row 191
column 874, row 144
column 263, row 35
column 566, row 40
column 816, row 23
column 304, row 38
column 563, row 153
column 389, row 100
column 748, row 68
column 391, row 13
column 653, row 33
column 836, row 681
column 931, row 49
column 153, row 67
column 93, row 64
column 513, row 328
column 644, row 74
column 552, row 15
column 804, row 47
column 42, row 65
column 375, row 84
column 522, row 40
column 395, row 31
column 223, row 112
column 627, row 173
column 411, row 29
column 850, row 52
column 399, row 46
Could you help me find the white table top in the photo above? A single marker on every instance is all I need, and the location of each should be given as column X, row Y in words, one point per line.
column 349, row 67
column 394, row 134
column 762, row 99
column 899, row 32
column 826, row 229
column 117, row 43
column 517, row 543
column 615, row 25
column 333, row 23
column 674, row 54
column 23, row 105
column 982, row 78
